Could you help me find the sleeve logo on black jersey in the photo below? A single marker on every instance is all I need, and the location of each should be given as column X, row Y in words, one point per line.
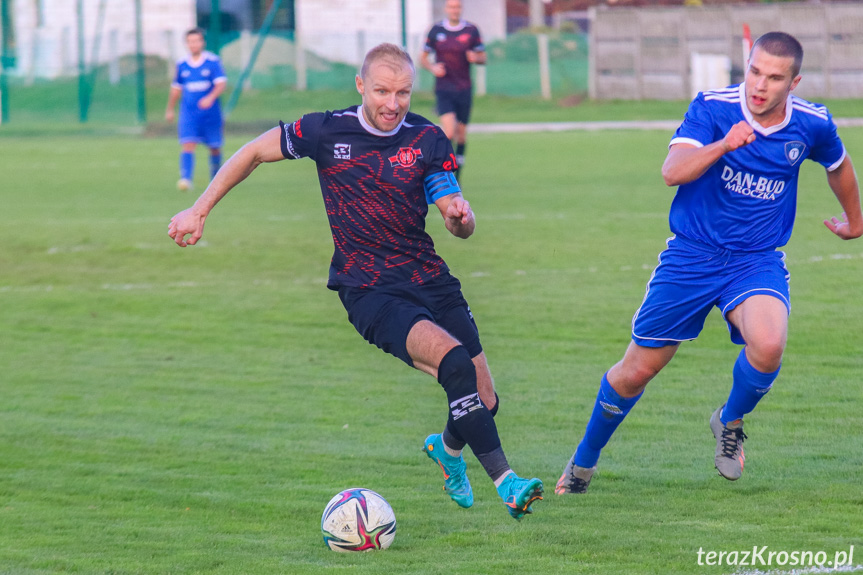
column 451, row 164
column 342, row 151
column 794, row 151
column 406, row 157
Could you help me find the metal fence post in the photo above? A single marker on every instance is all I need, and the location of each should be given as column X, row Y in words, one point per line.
column 544, row 72
column 5, row 59
column 214, row 36
column 83, row 97
column 141, row 73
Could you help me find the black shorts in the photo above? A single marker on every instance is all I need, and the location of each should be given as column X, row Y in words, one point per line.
column 385, row 316
column 458, row 102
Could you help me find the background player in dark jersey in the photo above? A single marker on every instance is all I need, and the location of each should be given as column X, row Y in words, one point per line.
column 198, row 83
column 380, row 167
column 456, row 45
column 735, row 159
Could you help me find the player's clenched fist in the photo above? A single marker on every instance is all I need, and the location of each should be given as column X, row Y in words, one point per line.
column 185, row 223
column 738, row 136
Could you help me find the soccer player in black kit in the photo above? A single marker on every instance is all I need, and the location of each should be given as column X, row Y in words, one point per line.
column 379, row 168
column 456, row 45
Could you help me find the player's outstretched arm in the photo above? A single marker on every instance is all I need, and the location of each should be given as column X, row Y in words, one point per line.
column 843, row 181
column 457, row 215
column 190, row 222
column 686, row 163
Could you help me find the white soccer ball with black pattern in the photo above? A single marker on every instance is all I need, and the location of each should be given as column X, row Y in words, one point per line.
column 358, row 519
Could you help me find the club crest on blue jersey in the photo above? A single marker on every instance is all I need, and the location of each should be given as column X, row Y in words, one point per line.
column 406, row 157
column 342, row 151
column 794, row 151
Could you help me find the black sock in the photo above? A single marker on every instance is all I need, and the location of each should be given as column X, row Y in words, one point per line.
column 451, row 437
column 459, row 157
column 471, row 419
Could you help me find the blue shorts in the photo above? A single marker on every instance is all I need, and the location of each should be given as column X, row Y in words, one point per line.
column 385, row 316
column 691, row 278
column 457, row 102
column 201, row 127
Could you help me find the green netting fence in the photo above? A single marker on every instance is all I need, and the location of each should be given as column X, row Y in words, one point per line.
column 105, row 63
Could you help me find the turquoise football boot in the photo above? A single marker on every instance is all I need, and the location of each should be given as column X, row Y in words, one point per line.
column 456, row 483
column 518, row 494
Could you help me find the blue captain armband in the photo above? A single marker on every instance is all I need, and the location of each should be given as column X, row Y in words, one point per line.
column 440, row 184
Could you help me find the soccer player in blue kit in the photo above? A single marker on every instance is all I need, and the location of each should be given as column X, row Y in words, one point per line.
column 379, row 168
column 456, row 45
column 736, row 159
column 198, row 83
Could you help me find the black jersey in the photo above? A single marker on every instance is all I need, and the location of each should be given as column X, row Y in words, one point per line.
column 377, row 187
column 450, row 45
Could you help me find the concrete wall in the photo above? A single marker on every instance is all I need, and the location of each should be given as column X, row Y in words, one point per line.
column 344, row 30
column 46, row 32
column 646, row 53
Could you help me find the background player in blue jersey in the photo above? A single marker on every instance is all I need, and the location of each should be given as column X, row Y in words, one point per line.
column 379, row 168
column 456, row 45
column 198, row 83
column 736, row 159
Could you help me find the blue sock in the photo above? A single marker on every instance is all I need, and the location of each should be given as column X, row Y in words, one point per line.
column 608, row 413
column 187, row 165
column 215, row 163
column 749, row 386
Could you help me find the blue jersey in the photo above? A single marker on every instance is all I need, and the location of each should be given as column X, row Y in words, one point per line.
column 196, row 81
column 747, row 200
column 377, row 187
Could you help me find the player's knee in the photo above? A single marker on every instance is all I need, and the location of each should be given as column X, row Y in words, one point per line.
column 766, row 354
column 457, row 373
column 636, row 377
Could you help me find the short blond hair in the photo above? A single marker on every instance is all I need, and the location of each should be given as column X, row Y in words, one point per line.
column 386, row 51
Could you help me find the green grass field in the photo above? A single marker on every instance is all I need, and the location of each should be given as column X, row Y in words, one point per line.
column 192, row 411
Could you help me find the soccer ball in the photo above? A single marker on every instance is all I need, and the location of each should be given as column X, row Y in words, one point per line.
column 358, row 519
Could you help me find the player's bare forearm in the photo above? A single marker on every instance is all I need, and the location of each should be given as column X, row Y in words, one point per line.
column 264, row 148
column 477, row 57
column 843, row 181
column 686, row 163
column 173, row 98
column 425, row 62
column 218, row 90
column 190, row 222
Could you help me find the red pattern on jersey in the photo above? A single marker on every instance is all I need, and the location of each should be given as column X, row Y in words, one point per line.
column 378, row 226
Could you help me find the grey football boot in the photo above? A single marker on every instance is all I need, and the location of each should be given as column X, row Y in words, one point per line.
column 575, row 479
column 729, row 456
